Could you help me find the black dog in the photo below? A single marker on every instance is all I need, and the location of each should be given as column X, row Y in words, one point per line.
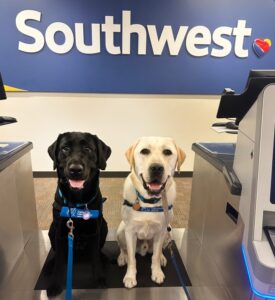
column 78, row 157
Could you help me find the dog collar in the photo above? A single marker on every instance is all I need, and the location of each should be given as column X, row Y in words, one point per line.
column 152, row 200
column 147, row 209
column 77, row 213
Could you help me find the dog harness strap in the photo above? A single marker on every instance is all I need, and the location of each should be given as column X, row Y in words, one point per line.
column 126, row 202
column 57, row 206
column 152, row 200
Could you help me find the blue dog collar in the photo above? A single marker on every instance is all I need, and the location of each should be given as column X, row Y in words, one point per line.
column 78, row 213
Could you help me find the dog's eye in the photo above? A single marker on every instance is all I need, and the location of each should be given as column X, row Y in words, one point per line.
column 145, row 151
column 87, row 149
column 167, row 152
column 65, row 149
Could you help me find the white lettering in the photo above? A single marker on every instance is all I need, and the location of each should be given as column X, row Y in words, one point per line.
column 221, row 41
column 68, row 37
column 79, row 39
column 110, row 28
column 199, row 35
column 241, row 32
column 128, row 29
column 38, row 37
column 166, row 36
column 198, row 42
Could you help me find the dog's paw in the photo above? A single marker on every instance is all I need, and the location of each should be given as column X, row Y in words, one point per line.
column 158, row 276
column 122, row 259
column 129, row 282
column 163, row 260
column 54, row 290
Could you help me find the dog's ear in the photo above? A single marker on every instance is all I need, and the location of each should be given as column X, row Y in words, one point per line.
column 52, row 151
column 103, row 152
column 181, row 157
column 130, row 154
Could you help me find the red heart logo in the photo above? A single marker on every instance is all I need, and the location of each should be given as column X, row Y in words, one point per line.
column 264, row 45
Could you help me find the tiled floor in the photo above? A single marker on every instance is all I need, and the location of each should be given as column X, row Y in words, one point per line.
column 112, row 189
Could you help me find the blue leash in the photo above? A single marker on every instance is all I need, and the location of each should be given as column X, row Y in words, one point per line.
column 70, row 260
column 169, row 246
column 174, row 261
column 67, row 212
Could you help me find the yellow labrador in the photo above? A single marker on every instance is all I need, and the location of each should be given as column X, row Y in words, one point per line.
column 153, row 161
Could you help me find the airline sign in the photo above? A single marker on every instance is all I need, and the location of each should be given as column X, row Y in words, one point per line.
column 157, row 46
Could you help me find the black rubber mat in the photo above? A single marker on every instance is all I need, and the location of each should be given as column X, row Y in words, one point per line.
column 114, row 273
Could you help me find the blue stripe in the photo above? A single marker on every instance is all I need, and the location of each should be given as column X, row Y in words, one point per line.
column 265, row 296
column 67, row 212
column 69, row 268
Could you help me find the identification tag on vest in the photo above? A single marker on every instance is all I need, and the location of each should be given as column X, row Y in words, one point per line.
column 136, row 206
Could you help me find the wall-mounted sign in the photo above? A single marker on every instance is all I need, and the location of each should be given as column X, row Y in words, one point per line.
column 126, row 46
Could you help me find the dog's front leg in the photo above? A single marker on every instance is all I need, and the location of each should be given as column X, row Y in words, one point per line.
column 96, row 264
column 157, row 274
column 130, row 276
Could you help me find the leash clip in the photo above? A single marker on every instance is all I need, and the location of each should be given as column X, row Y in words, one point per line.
column 70, row 225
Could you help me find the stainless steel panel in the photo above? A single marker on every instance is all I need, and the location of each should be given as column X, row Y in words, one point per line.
column 11, row 236
column 25, row 196
column 217, row 258
column 198, row 204
column 209, row 293
column 18, row 218
column 200, row 266
column 24, row 275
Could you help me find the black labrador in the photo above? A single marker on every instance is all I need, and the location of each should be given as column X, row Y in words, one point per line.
column 78, row 158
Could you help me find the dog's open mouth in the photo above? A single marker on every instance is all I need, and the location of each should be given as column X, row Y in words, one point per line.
column 154, row 187
column 76, row 184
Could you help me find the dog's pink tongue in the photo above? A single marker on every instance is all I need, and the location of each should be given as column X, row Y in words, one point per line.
column 154, row 186
column 77, row 184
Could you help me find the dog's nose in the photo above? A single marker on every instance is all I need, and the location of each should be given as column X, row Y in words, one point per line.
column 156, row 170
column 76, row 169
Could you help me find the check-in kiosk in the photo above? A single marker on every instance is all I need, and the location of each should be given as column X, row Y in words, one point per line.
column 232, row 211
column 254, row 164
